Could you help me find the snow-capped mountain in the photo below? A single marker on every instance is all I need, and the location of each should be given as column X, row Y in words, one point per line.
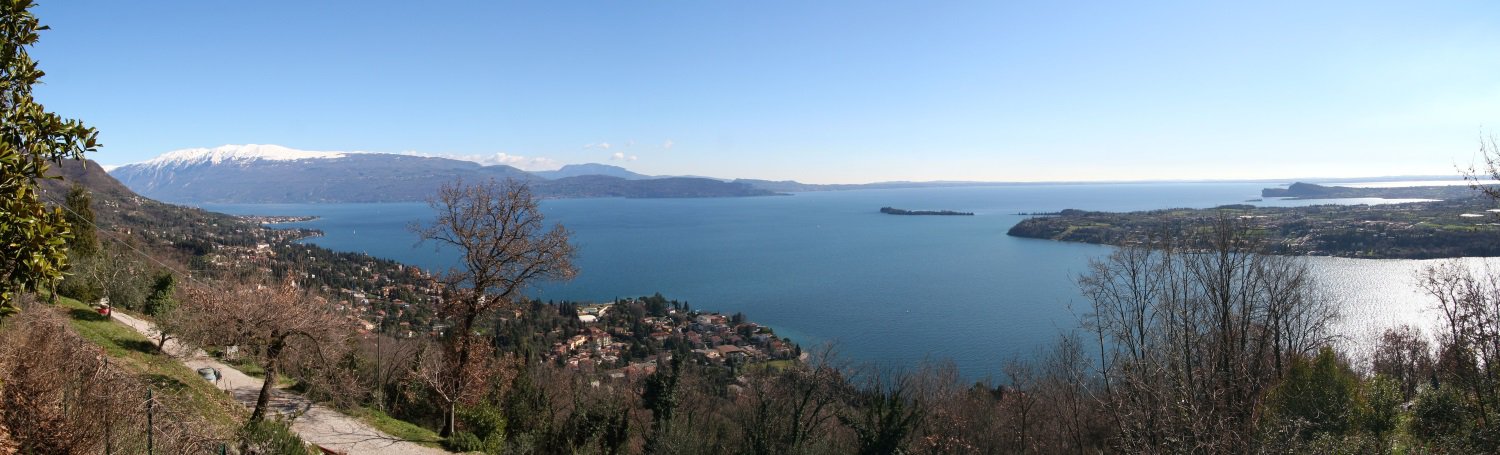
column 236, row 153
column 271, row 173
column 275, row 174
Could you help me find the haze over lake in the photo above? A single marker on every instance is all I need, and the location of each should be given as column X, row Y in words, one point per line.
column 828, row 267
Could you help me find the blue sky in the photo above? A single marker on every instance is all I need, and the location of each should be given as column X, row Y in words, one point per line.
column 813, row 91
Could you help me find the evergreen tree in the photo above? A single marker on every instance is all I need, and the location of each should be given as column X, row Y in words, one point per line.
column 161, row 300
column 85, row 242
column 660, row 396
column 33, row 234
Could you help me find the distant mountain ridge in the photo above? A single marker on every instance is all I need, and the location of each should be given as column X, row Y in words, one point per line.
column 577, row 170
column 274, row 174
column 1303, row 190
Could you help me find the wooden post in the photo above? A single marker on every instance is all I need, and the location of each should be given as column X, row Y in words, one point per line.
column 150, row 423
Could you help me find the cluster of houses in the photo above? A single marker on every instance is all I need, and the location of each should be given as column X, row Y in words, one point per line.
column 712, row 337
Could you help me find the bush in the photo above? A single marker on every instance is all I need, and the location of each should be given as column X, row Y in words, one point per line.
column 487, row 423
column 271, row 437
column 1383, row 397
column 1318, row 397
column 78, row 286
column 483, row 420
column 463, row 441
column 1438, row 414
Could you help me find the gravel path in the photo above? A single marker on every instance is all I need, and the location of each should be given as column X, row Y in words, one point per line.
column 317, row 425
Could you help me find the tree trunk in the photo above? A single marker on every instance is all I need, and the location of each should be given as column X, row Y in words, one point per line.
column 264, row 400
column 448, row 420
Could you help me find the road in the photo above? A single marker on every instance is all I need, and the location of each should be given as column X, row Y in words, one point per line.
column 319, row 425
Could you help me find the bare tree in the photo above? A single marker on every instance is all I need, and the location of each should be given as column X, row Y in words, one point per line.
column 1405, row 356
column 457, row 381
column 1192, row 333
column 1469, row 302
column 277, row 324
column 1485, row 180
column 788, row 411
column 504, row 245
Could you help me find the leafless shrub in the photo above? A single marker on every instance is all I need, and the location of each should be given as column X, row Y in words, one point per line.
column 283, row 327
column 1404, row 355
column 1192, row 331
column 62, row 395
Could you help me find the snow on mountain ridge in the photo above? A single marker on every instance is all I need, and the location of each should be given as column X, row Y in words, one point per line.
column 247, row 152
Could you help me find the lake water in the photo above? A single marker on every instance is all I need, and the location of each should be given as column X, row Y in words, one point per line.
column 827, row 267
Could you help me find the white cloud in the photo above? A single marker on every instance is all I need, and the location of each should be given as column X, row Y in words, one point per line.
column 668, row 144
column 602, row 145
column 525, row 163
column 621, row 156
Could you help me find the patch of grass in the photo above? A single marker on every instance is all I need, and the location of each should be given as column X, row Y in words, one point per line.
column 398, row 428
column 132, row 351
column 773, row 365
column 247, row 367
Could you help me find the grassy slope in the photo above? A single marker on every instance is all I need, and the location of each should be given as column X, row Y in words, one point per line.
column 138, row 354
column 135, row 353
column 398, row 428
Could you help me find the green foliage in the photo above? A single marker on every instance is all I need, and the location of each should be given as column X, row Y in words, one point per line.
column 885, row 420
column 660, row 396
column 1438, row 415
column 463, row 441
column 397, row 428
column 80, row 215
column 608, row 424
column 1383, row 398
column 34, row 235
column 162, row 300
column 1318, row 397
column 526, row 405
column 487, row 423
column 79, row 284
column 271, row 437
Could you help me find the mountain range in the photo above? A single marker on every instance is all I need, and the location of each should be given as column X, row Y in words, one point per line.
column 275, row 174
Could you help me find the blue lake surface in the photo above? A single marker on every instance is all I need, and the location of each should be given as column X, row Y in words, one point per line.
column 828, row 267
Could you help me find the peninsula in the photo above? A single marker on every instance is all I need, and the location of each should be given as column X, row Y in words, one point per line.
column 896, row 211
column 1302, row 190
column 1415, row 230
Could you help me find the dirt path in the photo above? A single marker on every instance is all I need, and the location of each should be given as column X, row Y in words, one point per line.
column 318, row 425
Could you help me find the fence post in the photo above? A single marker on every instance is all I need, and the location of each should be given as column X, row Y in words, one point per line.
column 109, row 420
column 150, row 423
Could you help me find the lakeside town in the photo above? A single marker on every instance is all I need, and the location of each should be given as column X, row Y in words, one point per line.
column 625, row 338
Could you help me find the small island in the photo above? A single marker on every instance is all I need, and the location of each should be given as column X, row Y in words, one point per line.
column 896, row 211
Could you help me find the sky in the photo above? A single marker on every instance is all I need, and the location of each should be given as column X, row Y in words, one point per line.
column 819, row 92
